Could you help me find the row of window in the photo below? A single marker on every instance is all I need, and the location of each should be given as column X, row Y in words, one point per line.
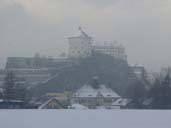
column 81, row 52
column 82, row 100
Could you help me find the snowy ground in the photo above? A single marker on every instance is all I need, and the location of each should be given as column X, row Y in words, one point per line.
column 84, row 119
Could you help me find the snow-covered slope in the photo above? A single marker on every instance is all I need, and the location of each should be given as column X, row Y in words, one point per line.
column 84, row 119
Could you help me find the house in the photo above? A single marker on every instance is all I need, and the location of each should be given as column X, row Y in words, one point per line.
column 11, row 104
column 94, row 98
column 54, row 101
column 120, row 103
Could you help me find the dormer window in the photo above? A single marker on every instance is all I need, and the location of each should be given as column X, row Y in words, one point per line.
column 90, row 95
column 108, row 95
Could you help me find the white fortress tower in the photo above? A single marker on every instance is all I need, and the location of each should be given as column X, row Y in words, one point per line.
column 80, row 46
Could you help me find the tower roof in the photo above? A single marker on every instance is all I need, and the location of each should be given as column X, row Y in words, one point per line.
column 80, row 33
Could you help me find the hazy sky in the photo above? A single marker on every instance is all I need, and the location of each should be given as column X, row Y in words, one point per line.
column 142, row 26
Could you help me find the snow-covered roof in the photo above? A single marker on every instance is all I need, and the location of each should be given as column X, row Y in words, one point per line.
column 81, row 34
column 89, row 91
column 121, row 102
column 78, row 106
column 44, row 104
column 14, row 101
column 148, row 101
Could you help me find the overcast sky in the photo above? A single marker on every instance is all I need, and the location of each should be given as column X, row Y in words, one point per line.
column 142, row 26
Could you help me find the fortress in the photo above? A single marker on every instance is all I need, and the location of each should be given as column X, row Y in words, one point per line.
column 37, row 69
column 82, row 46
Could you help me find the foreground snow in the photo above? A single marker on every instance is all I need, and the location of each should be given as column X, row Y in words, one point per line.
column 84, row 119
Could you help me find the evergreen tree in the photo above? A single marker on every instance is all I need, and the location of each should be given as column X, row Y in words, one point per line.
column 9, row 83
column 137, row 93
column 13, row 90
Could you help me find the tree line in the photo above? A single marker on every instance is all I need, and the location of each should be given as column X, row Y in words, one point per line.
column 14, row 90
column 144, row 95
column 155, row 95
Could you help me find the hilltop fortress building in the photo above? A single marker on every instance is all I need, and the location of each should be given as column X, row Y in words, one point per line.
column 37, row 69
column 82, row 46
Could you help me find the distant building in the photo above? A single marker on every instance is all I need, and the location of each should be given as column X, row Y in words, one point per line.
column 11, row 104
column 116, row 51
column 27, row 76
column 80, row 46
column 54, row 101
column 36, row 62
column 33, row 69
column 138, row 70
column 121, row 103
column 40, row 69
column 94, row 98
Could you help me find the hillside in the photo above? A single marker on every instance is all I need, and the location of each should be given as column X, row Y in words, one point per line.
column 112, row 72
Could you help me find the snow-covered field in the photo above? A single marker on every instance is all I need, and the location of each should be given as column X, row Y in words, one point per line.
column 84, row 119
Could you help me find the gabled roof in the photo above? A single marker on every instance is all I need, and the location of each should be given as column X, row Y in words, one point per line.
column 89, row 91
column 45, row 105
column 121, row 102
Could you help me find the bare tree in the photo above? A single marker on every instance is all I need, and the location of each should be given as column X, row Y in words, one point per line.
column 161, row 90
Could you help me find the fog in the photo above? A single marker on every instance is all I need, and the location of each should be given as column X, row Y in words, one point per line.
column 142, row 26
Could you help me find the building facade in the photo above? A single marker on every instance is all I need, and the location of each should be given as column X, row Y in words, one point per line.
column 80, row 46
column 138, row 70
column 33, row 70
column 94, row 98
column 116, row 51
